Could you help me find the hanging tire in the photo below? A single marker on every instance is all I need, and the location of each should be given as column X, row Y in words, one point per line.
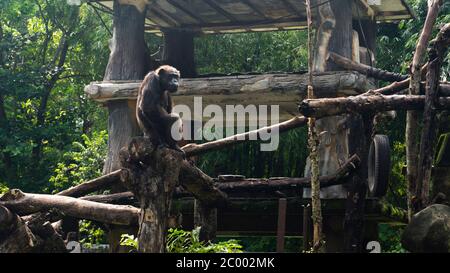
column 379, row 166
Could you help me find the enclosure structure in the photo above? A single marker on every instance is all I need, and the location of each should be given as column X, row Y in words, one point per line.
column 139, row 173
column 350, row 26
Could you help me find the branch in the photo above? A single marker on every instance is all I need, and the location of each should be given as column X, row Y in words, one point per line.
column 93, row 185
column 365, row 69
column 320, row 108
column 193, row 149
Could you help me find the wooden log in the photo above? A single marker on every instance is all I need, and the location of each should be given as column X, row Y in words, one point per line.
column 115, row 198
column 27, row 203
column 93, row 185
column 193, row 149
column 15, row 236
column 326, row 84
column 365, row 69
column 412, row 117
column 437, row 53
column 274, row 184
column 269, row 185
column 320, row 108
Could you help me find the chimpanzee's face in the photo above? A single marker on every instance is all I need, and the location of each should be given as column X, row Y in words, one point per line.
column 169, row 80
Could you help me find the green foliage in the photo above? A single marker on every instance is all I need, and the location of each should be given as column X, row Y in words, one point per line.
column 252, row 52
column 180, row 241
column 247, row 159
column 390, row 238
column 82, row 163
column 91, row 234
column 128, row 240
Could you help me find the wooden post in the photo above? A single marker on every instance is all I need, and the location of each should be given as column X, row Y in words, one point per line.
column 281, row 230
column 151, row 174
column 205, row 217
column 179, row 52
column 127, row 61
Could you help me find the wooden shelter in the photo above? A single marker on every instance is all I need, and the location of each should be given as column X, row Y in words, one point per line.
column 346, row 27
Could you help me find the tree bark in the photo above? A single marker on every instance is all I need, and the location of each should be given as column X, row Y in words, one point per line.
column 412, row 117
column 320, row 108
column 436, row 54
column 126, row 62
column 151, row 174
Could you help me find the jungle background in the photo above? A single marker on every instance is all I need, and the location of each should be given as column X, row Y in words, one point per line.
column 52, row 136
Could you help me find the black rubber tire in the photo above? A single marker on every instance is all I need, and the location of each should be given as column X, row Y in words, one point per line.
column 379, row 166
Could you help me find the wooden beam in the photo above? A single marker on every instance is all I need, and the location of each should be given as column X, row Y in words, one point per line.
column 289, row 6
column 320, row 108
column 325, row 84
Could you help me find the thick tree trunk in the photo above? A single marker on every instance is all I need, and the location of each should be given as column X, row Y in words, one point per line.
column 151, row 174
column 127, row 61
column 412, row 117
column 320, row 108
column 437, row 54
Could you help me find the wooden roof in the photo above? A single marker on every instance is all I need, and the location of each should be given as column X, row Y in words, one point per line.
column 231, row 16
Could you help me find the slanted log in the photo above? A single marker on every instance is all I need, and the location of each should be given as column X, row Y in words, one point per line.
column 366, row 69
column 93, row 185
column 320, row 108
column 27, row 203
column 193, row 149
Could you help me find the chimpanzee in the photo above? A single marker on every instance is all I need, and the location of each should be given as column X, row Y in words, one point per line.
column 154, row 106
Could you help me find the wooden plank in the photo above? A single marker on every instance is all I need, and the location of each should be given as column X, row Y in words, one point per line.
column 281, row 228
column 220, row 10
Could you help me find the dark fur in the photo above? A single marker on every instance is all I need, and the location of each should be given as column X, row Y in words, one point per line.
column 154, row 106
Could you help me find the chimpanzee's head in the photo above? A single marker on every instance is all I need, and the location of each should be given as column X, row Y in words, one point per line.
column 169, row 78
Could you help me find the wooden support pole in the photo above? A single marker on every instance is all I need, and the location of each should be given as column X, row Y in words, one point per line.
column 281, row 228
column 412, row 117
column 205, row 217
